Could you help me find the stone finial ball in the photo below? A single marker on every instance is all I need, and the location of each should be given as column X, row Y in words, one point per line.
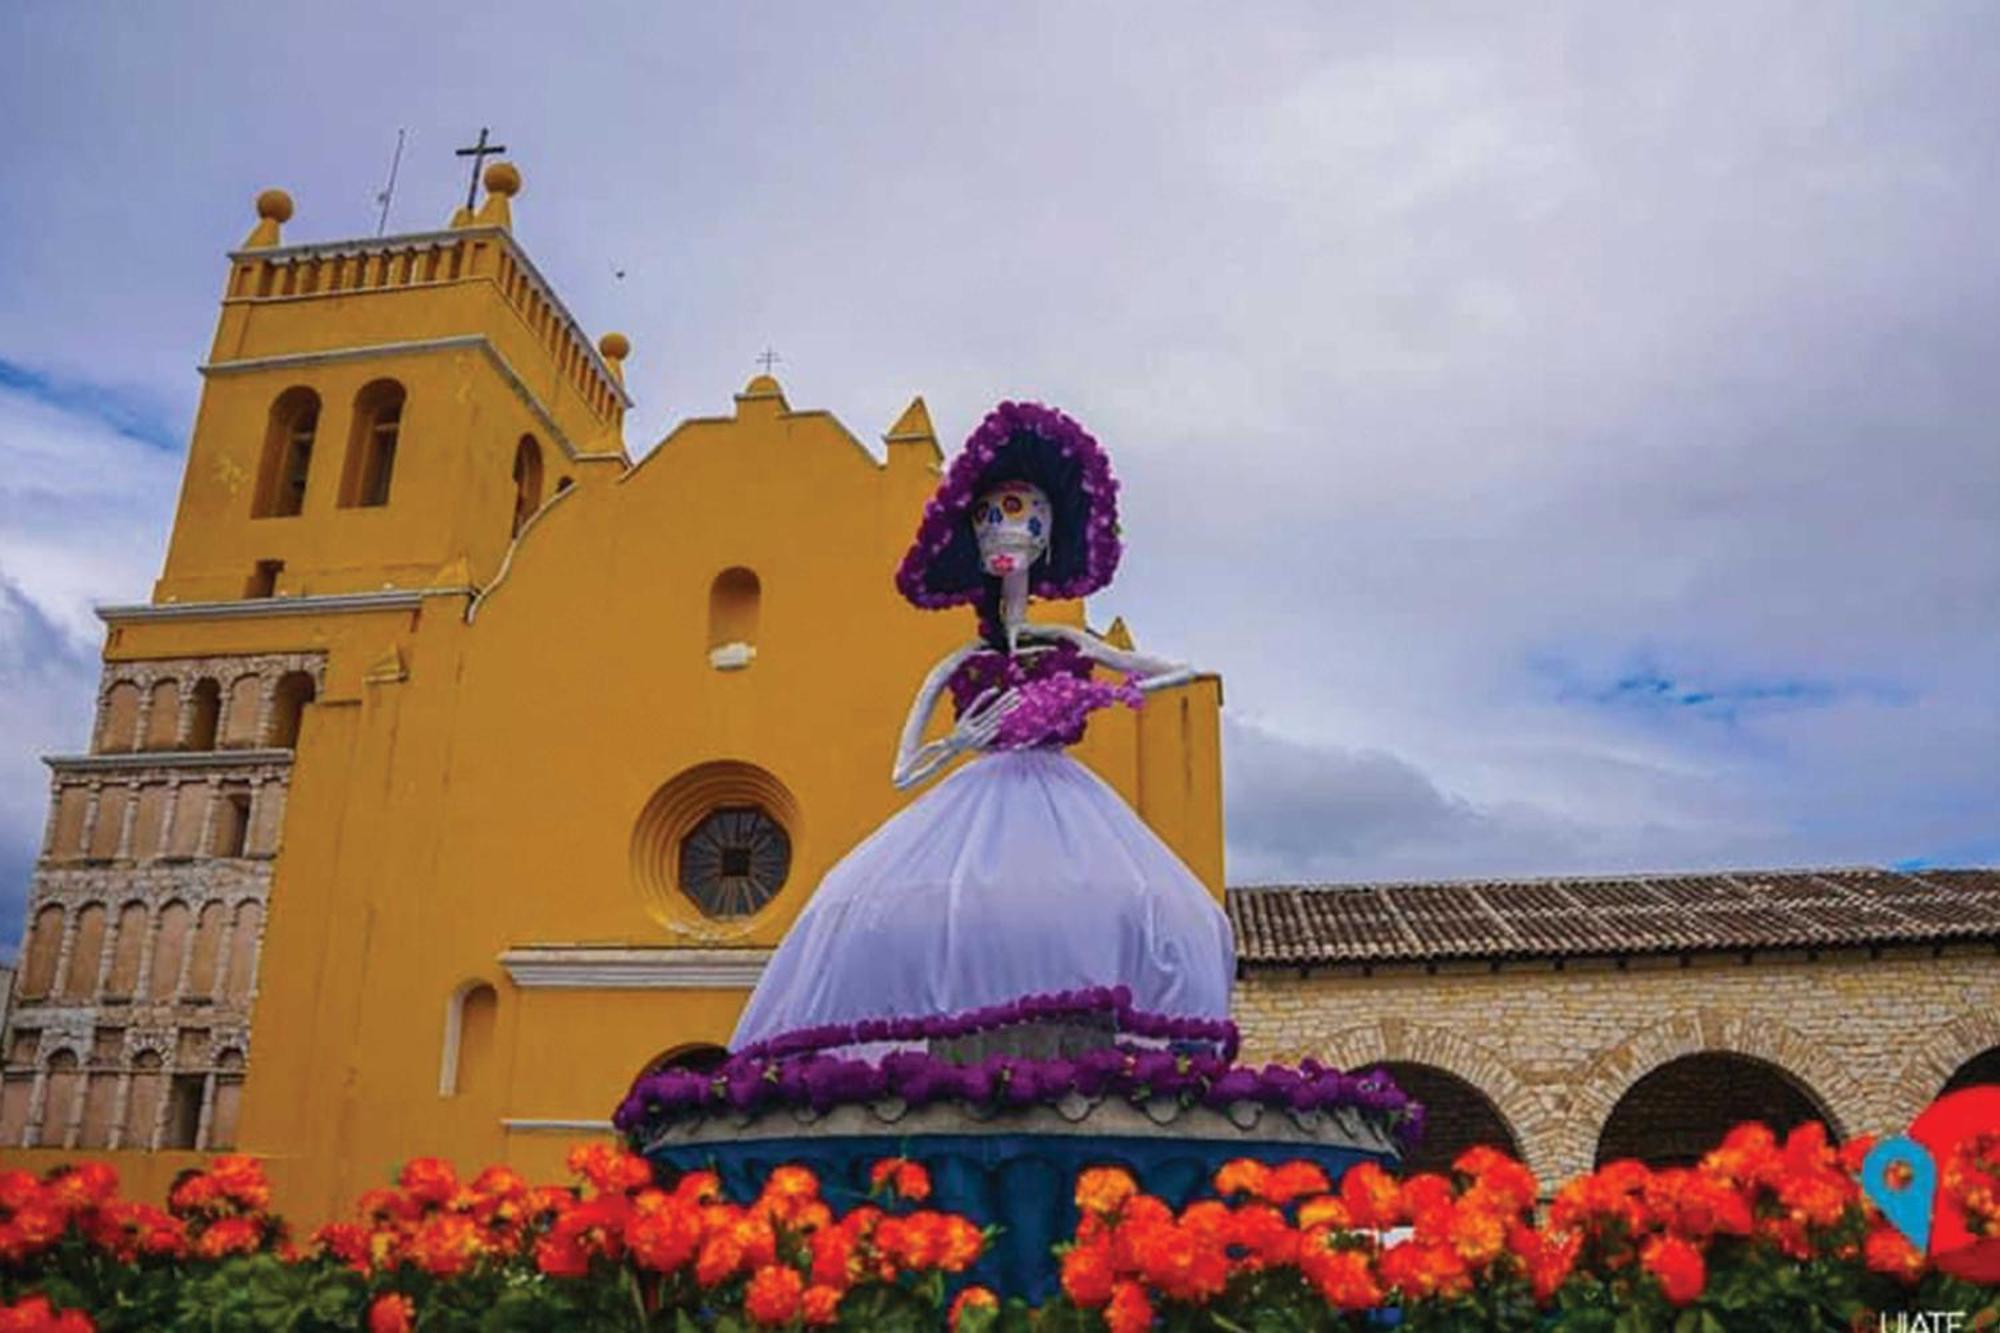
column 503, row 178
column 614, row 346
column 275, row 205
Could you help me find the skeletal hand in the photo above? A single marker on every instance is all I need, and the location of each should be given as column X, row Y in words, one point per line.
column 982, row 718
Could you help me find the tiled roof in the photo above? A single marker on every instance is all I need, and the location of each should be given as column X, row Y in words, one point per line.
column 1303, row 925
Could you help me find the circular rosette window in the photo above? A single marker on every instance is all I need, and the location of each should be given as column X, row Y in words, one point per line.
column 714, row 847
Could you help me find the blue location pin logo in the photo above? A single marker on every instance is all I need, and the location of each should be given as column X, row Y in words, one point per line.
column 1908, row 1207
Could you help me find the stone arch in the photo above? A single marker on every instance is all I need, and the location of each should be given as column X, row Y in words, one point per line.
column 1676, row 1113
column 245, row 934
column 205, row 965
column 86, row 953
column 1457, row 1116
column 170, row 944
column 163, row 714
column 1393, row 1041
column 119, row 731
column 44, row 951
column 60, row 1103
column 1939, row 1057
column 204, row 712
column 239, row 717
column 294, row 691
column 128, row 949
column 1614, row 1072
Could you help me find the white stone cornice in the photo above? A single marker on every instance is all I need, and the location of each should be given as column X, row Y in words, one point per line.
column 252, row 608
column 581, row 967
column 463, row 342
column 553, row 1125
column 74, row 763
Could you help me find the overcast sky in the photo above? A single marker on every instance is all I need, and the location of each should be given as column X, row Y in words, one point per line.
column 1569, row 429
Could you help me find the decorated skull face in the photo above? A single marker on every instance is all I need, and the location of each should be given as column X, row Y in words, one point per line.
column 1012, row 524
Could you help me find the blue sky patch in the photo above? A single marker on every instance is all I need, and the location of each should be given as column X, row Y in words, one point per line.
column 124, row 412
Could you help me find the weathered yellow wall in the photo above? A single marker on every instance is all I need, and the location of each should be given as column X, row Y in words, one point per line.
column 470, row 777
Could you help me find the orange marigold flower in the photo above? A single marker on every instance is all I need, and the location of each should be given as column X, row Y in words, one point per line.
column 1427, row 1200
column 34, row 1314
column 902, row 1177
column 229, row 1235
column 1294, row 1180
column 1129, row 1311
column 972, row 1298
column 1087, row 1274
column 698, row 1187
column 428, row 1180
column 500, row 1182
column 665, row 1237
column 1184, row 1266
column 1371, row 1196
column 609, row 1169
column 1678, row 1265
column 1103, row 1190
column 821, row 1306
column 85, row 1185
column 392, row 1313
column 1494, row 1172
column 774, row 1295
column 561, row 1255
column 1324, row 1210
column 1343, row 1278
column 241, row 1179
column 18, row 1189
column 1262, row 1231
column 1854, row 1152
column 195, row 1193
column 1887, row 1251
column 1479, row 1234
column 834, row 1261
column 1245, row 1175
column 1696, row 1204
column 1419, row 1270
column 1547, row 1255
column 446, row 1244
column 721, row 1255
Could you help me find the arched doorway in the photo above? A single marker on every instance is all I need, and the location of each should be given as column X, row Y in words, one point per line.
column 1675, row 1114
column 1980, row 1070
column 1457, row 1116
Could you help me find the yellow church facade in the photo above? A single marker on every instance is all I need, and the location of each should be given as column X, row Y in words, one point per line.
column 459, row 769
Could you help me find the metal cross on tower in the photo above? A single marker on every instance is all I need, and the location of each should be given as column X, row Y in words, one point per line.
column 478, row 152
column 769, row 358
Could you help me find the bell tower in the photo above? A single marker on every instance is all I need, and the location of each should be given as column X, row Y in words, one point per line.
column 385, row 413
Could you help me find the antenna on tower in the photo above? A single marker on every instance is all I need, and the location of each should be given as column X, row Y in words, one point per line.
column 389, row 190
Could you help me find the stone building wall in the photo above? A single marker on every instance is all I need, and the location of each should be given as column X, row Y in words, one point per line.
column 130, row 1009
column 1867, row 1040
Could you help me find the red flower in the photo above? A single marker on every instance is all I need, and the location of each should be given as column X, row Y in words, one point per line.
column 610, row 1170
column 1371, row 1196
column 1546, row 1255
column 1294, row 1180
column 85, row 1185
column 663, row 1234
column 446, row 1244
column 229, row 1235
column 1419, row 1270
column 1087, row 1274
column 34, row 1314
column 1343, row 1278
column 1887, row 1251
column 241, row 1180
column 972, row 1298
column 1678, row 1265
column 821, row 1306
column 1129, row 1310
column 428, row 1180
column 391, row 1313
column 1245, row 1175
column 774, row 1295
column 1103, row 1190
column 902, row 1177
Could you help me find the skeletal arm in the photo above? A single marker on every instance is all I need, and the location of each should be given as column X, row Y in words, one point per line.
column 1154, row 673
column 915, row 760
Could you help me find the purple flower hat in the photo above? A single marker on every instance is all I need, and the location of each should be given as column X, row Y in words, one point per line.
column 1018, row 442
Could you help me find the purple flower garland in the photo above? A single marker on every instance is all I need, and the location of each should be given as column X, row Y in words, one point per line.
column 1057, row 1006
column 750, row 1084
column 945, row 513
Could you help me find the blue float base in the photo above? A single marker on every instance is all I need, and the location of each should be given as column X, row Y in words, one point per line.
column 1023, row 1183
